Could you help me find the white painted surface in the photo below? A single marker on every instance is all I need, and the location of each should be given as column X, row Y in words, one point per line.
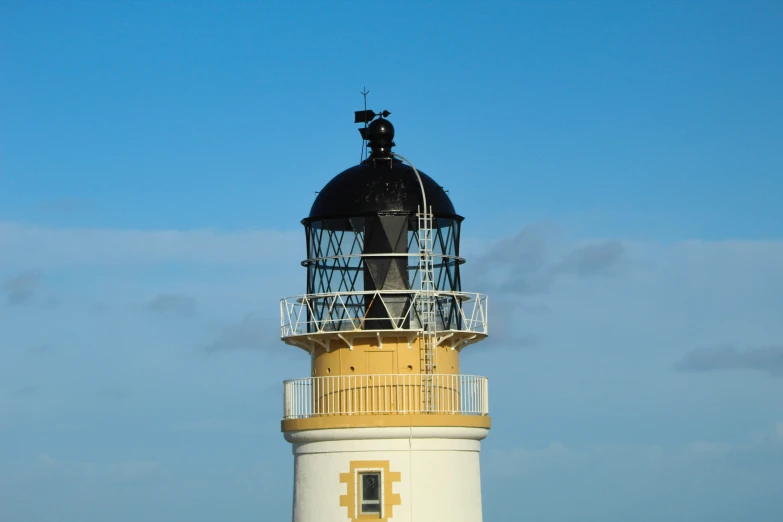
column 439, row 467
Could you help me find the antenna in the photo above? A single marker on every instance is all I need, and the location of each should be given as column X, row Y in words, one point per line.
column 363, row 155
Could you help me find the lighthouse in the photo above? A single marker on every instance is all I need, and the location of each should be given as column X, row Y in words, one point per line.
column 385, row 426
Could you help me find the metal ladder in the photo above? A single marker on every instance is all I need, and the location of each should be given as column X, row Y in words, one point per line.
column 427, row 311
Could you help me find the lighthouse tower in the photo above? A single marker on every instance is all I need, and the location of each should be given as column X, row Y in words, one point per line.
column 386, row 427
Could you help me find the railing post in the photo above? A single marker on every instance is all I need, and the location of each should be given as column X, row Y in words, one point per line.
column 285, row 399
column 484, row 396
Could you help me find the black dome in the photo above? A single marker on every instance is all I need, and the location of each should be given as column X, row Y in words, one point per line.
column 369, row 189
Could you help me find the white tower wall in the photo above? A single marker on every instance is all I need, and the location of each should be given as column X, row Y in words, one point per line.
column 430, row 474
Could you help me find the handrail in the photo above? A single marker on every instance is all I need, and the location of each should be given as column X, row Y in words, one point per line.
column 386, row 394
column 371, row 292
column 347, row 312
column 459, row 259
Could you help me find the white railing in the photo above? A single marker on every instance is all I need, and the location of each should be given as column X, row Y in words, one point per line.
column 385, row 395
column 348, row 312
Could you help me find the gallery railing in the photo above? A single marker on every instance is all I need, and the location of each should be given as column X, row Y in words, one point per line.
column 392, row 310
column 385, row 395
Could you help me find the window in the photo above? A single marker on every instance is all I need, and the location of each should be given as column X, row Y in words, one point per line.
column 370, row 493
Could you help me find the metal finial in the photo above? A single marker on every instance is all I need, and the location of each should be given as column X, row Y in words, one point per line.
column 363, row 155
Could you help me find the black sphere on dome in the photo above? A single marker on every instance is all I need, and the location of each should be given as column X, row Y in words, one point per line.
column 380, row 132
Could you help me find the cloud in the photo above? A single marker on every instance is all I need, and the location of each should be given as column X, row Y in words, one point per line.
column 708, row 448
column 535, row 309
column 252, row 333
column 24, row 392
column 526, row 462
column 56, row 247
column 51, row 303
column 21, row 288
column 591, row 259
column 62, row 207
column 128, row 473
column 100, row 307
column 219, row 426
column 767, row 359
column 168, row 305
column 505, row 328
column 42, row 350
column 112, row 392
column 531, row 261
column 123, row 473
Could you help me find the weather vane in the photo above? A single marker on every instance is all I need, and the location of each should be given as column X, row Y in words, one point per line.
column 366, row 116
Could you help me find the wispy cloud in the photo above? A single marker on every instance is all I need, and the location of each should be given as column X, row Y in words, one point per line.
column 100, row 307
column 21, row 288
column 112, row 392
column 54, row 247
column 41, row 350
column 62, row 207
column 24, row 392
column 219, row 426
column 591, row 259
column 123, row 473
column 252, row 333
column 530, row 262
column 535, row 309
column 506, row 330
column 169, row 305
column 522, row 462
column 766, row 359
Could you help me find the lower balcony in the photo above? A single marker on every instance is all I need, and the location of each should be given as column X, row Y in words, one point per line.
column 385, row 400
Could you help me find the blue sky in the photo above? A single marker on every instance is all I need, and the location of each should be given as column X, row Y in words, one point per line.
column 619, row 165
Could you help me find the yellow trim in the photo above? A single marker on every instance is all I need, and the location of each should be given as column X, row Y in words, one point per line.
column 389, row 499
column 336, row 340
column 385, row 421
column 403, row 356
